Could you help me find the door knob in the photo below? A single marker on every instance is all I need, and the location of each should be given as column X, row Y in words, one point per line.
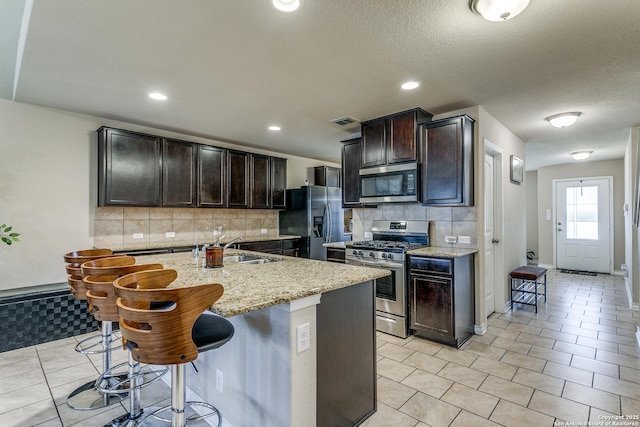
column 495, row 241
column 559, row 229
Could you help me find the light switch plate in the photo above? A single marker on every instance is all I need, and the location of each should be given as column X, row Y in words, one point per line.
column 368, row 235
column 263, row 231
column 464, row 239
column 138, row 235
column 450, row 239
column 170, row 234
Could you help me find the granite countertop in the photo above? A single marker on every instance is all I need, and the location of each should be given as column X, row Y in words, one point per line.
column 251, row 287
column 443, row 252
column 184, row 243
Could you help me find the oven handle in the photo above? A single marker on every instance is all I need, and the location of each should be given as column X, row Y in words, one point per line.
column 384, row 265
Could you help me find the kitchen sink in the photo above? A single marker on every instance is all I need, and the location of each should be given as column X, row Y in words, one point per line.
column 247, row 259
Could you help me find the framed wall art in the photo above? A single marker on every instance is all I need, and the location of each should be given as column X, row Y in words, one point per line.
column 517, row 170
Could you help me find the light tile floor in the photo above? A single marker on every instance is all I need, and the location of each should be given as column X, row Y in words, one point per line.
column 577, row 360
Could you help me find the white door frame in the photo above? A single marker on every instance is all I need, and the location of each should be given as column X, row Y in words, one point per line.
column 500, row 291
column 555, row 219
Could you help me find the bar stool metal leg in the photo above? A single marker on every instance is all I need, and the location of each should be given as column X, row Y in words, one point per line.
column 88, row 396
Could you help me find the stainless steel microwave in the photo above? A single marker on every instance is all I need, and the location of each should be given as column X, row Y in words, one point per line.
column 386, row 184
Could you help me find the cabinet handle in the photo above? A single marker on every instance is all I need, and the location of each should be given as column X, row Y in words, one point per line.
column 496, row 241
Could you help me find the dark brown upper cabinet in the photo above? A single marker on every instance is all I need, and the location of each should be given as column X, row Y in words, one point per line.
column 237, row 179
column 129, row 168
column 392, row 139
column 212, row 166
column 178, row 173
column 351, row 162
column 278, row 183
column 446, row 150
column 327, row 176
column 260, row 181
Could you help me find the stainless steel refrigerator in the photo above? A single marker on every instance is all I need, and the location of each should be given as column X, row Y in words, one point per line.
column 315, row 213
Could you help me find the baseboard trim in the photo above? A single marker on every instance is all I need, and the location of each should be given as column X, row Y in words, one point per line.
column 547, row 266
column 638, row 334
column 633, row 306
column 480, row 329
column 618, row 273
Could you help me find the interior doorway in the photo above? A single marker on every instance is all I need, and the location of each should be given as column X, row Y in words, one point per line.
column 583, row 228
column 493, row 211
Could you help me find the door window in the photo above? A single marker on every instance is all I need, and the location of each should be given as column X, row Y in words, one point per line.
column 582, row 212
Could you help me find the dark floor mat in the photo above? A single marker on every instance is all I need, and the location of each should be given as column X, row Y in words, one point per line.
column 584, row 273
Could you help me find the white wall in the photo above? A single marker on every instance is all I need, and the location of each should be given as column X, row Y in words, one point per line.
column 547, row 174
column 531, row 188
column 48, row 185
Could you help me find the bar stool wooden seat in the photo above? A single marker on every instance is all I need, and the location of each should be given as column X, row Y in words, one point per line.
column 88, row 396
column 526, row 285
column 98, row 276
column 173, row 335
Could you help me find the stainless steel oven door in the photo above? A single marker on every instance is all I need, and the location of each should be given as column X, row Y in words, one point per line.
column 390, row 290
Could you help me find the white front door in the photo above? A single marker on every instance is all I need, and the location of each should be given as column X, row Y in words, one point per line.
column 583, row 224
column 489, row 233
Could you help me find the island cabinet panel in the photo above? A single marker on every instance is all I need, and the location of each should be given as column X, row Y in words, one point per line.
column 346, row 359
column 336, row 255
column 260, row 181
column 212, row 163
column 129, row 168
column 237, row 179
column 446, row 148
column 178, row 173
column 441, row 298
column 392, row 139
column 351, row 162
column 278, row 183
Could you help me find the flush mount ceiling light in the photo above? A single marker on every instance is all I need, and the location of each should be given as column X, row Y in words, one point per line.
column 410, row 85
column 274, row 128
column 498, row 10
column 563, row 120
column 158, row 96
column 287, row 5
column 581, row 155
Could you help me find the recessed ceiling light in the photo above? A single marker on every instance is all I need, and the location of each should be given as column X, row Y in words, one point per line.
column 581, row 155
column 287, row 5
column 563, row 120
column 158, row 96
column 274, row 127
column 410, row 85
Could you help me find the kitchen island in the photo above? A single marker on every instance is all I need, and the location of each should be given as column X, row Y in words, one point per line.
column 303, row 353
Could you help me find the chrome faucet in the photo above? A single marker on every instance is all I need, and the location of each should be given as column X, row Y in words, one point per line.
column 232, row 242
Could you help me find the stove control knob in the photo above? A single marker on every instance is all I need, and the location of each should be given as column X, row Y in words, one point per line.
column 360, row 253
column 372, row 255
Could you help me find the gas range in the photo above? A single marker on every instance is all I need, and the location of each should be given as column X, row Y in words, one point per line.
column 391, row 241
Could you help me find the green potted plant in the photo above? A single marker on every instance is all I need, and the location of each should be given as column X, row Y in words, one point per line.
column 7, row 236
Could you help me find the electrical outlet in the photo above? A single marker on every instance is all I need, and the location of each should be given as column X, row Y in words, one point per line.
column 219, row 381
column 170, row 234
column 304, row 338
column 368, row 235
column 263, row 231
column 138, row 235
column 464, row 239
column 450, row 239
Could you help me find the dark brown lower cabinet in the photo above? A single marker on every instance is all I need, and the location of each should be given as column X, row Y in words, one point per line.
column 288, row 247
column 346, row 360
column 335, row 255
column 441, row 295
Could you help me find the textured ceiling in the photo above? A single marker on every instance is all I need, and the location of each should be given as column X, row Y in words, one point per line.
column 231, row 68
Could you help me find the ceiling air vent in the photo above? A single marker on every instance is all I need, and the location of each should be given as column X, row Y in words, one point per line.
column 343, row 121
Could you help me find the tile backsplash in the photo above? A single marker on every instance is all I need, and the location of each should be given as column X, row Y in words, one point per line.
column 115, row 227
column 445, row 221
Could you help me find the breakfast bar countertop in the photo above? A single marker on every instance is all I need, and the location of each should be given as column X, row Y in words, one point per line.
column 251, row 287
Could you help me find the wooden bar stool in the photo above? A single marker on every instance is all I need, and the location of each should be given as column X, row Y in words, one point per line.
column 525, row 285
column 88, row 396
column 173, row 335
column 98, row 276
